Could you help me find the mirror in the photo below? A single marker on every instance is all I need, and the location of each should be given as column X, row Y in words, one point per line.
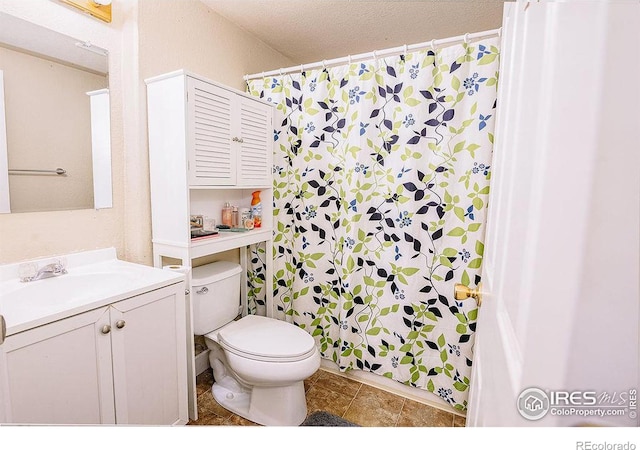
column 55, row 144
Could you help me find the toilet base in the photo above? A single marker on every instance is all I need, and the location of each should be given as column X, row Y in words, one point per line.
column 236, row 402
column 276, row 406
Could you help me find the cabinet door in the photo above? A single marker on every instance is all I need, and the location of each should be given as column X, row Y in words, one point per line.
column 149, row 358
column 59, row 373
column 211, row 153
column 256, row 143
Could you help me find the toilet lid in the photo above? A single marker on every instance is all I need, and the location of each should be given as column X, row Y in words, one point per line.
column 264, row 338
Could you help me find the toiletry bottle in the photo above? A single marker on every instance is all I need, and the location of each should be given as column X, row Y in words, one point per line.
column 226, row 215
column 256, row 209
column 245, row 219
column 235, row 217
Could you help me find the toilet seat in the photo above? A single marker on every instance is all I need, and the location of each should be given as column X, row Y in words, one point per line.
column 265, row 339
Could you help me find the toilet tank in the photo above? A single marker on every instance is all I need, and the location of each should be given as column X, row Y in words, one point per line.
column 215, row 295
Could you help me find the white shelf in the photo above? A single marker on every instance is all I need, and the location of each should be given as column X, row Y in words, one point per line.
column 228, row 240
column 219, row 188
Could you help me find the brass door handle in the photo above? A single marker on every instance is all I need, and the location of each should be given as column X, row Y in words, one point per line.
column 462, row 292
column 3, row 329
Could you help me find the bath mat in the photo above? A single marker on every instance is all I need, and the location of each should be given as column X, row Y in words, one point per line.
column 325, row 419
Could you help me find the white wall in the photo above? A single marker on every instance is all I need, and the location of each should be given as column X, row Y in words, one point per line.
column 181, row 35
column 145, row 38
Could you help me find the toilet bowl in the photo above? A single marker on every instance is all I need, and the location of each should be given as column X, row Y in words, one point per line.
column 259, row 363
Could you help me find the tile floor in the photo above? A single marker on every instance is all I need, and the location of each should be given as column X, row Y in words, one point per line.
column 359, row 403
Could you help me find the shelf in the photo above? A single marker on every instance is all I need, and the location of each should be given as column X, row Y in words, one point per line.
column 218, row 188
column 223, row 241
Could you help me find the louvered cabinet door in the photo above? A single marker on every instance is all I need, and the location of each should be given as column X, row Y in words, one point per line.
column 255, row 155
column 212, row 153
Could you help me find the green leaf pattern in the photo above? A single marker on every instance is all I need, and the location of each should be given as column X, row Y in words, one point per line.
column 381, row 180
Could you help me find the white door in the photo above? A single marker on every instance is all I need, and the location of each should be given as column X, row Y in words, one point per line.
column 59, row 373
column 212, row 134
column 149, row 358
column 255, row 154
column 560, row 274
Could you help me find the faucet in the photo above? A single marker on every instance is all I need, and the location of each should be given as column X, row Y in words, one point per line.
column 50, row 270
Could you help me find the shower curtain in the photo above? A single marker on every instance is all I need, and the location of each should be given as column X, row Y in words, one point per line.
column 381, row 178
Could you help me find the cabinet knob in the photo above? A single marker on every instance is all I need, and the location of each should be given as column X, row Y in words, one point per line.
column 120, row 324
column 237, row 139
column 204, row 290
column 106, row 329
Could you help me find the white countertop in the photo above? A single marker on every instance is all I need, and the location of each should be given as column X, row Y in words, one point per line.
column 94, row 279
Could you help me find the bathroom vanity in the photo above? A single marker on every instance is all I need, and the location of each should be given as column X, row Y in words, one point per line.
column 103, row 343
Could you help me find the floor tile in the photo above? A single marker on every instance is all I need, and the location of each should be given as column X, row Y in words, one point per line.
column 415, row 414
column 373, row 407
column 206, row 402
column 359, row 403
column 320, row 399
column 312, row 380
column 204, row 381
column 337, row 383
column 236, row 420
column 208, row 418
column 459, row 421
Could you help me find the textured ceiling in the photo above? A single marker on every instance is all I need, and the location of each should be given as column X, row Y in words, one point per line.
column 308, row 31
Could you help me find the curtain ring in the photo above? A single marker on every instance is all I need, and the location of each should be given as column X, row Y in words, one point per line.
column 301, row 68
column 281, row 72
column 263, row 75
column 405, row 50
column 500, row 32
column 349, row 59
column 466, row 38
column 324, row 64
column 433, row 45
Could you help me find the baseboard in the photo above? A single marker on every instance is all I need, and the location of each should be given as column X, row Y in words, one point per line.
column 386, row 384
column 202, row 362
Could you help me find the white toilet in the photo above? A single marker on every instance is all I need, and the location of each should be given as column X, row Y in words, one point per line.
column 258, row 363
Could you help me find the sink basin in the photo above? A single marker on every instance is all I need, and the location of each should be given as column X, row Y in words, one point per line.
column 91, row 282
column 69, row 288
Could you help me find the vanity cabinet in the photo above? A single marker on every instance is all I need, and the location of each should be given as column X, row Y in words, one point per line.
column 123, row 363
column 208, row 144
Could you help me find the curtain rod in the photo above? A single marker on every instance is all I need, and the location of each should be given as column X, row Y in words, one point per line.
column 466, row 38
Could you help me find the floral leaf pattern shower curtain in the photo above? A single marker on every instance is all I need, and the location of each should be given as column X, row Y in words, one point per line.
column 381, row 180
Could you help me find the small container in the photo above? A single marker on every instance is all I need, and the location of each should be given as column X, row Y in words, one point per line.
column 235, row 217
column 227, row 218
column 245, row 215
column 208, row 223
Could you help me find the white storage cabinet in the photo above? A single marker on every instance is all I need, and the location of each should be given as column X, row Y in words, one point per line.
column 117, row 364
column 208, row 144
